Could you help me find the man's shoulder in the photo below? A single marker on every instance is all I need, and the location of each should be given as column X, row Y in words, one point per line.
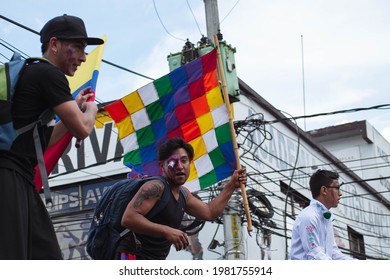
column 40, row 63
column 156, row 183
column 307, row 213
column 41, row 67
column 154, row 179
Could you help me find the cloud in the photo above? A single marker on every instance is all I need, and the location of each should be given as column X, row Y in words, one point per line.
column 345, row 46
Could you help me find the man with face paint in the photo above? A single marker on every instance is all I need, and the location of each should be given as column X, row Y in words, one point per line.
column 152, row 239
column 26, row 230
column 312, row 234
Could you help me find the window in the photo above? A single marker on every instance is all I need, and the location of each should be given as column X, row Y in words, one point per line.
column 297, row 200
column 356, row 244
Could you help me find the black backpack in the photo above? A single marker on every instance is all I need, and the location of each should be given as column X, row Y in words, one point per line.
column 106, row 231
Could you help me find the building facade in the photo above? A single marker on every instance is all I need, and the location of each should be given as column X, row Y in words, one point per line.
column 280, row 159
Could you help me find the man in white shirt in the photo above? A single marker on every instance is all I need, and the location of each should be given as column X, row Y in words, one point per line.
column 312, row 234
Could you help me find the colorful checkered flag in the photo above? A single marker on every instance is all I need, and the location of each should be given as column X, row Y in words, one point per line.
column 188, row 103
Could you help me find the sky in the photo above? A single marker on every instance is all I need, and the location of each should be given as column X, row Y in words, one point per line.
column 304, row 57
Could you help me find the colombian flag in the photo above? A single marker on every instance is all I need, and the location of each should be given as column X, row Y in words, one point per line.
column 85, row 76
column 188, row 103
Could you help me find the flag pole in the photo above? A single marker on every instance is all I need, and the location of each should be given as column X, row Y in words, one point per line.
column 232, row 131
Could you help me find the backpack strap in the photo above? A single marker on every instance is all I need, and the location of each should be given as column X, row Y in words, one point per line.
column 184, row 193
column 166, row 195
column 44, row 118
column 42, row 167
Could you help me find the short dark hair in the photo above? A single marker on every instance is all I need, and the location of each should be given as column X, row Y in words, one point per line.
column 44, row 47
column 321, row 178
column 166, row 149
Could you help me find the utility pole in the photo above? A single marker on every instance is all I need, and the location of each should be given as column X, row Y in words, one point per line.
column 234, row 245
column 234, row 238
column 212, row 18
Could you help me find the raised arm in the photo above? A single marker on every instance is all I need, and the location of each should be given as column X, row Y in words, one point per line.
column 213, row 209
column 77, row 117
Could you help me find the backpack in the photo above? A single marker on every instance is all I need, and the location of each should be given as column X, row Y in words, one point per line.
column 10, row 72
column 106, row 230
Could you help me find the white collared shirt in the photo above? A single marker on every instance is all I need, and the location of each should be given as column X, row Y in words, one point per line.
column 313, row 237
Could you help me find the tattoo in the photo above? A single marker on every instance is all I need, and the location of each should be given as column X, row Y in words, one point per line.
column 155, row 190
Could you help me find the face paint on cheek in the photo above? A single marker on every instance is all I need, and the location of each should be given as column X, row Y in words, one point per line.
column 172, row 162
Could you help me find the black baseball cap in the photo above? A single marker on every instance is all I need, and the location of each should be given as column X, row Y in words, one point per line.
column 67, row 27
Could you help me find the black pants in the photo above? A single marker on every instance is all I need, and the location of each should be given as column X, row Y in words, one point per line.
column 26, row 230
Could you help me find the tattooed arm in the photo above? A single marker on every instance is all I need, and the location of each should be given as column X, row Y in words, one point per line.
column 134, row 216
column 142, row 202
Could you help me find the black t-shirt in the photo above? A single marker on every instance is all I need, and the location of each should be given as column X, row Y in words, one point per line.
column 41, row 86
column 155, row 248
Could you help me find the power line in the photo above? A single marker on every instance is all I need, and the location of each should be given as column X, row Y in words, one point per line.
column 11, row 48
column 231, row 10
column 253, row 152
column 162, row 24
column 103, row 60
column 382, row 106
column 294, row 118
column 196, row 22
column 151, row 78
column 19, row 24
column 278, row 171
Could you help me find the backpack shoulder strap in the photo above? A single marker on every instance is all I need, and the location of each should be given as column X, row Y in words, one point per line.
column 166, row 195
column 184, row 193
column 45, row 117
column 37, row 59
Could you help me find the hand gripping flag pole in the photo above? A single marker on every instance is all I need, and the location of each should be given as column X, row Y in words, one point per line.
column 235, row 146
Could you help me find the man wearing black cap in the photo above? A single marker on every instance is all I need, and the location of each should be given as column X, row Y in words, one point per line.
column 26, row 229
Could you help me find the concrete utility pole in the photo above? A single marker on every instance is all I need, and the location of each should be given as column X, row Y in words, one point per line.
column 212, row 18
column 234, row 245
column 234, row 238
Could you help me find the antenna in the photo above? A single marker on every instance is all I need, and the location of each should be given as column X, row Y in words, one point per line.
column 303, row 85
